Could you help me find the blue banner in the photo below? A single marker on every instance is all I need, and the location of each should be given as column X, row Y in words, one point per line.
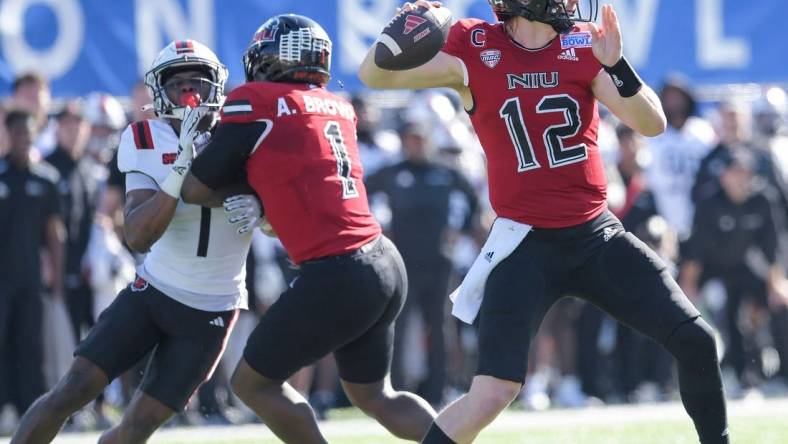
column 89, row 45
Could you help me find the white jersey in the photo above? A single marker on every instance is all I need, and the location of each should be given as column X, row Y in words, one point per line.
column 200, row 260
column 675, row 158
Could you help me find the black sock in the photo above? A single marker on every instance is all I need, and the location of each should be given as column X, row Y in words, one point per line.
column 436, row 436
column 707, row 411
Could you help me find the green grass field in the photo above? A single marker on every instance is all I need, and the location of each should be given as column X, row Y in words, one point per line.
column 772, row 430
column 751, row 422
column 749, row 431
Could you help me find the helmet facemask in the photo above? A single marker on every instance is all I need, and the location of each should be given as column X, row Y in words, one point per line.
column 551, row 12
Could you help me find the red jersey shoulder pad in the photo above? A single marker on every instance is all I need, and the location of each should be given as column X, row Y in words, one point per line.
column 469, row 23
column 245, row 103
column 467, row 33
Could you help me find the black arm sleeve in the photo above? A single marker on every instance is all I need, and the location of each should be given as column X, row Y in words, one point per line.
column 221, row 162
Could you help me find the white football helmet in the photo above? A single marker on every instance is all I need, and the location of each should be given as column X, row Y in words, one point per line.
column 182, row 55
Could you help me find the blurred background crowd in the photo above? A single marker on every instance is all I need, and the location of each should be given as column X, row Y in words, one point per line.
column 709, row 195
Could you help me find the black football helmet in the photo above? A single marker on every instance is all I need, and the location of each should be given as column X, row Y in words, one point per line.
column 289, row 48
column 552, row 12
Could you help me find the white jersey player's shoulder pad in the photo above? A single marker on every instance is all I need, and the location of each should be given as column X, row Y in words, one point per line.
column 142, row 144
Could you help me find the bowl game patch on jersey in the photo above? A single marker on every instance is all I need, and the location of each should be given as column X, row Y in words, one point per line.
column 576, row 40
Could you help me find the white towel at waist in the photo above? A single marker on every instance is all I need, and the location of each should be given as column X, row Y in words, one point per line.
column 504, row 237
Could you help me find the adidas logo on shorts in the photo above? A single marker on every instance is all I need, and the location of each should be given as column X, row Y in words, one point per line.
column 218, row 322
column 568, row 54
column 609, row 232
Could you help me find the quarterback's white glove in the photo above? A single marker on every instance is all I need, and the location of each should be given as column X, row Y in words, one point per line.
column 191, row 119
column 246, row 211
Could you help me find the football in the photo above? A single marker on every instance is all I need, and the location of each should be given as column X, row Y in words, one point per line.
column 413, row 38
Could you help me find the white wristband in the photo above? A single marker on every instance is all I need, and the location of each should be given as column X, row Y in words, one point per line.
column 173, row 183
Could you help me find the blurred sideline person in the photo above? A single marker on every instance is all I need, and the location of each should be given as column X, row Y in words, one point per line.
column 78, row 186
column 740, row 216
column 81, row 179
column 377, row 148
column 554, row 233
column 295, row 141
column 30, row 222
column 3, row 132
column 32, row 93
column 107, row 120
column 676, row 155
column 188, row 291
column 442, row 204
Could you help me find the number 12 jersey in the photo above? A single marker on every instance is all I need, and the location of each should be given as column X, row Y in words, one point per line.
column 536, row 117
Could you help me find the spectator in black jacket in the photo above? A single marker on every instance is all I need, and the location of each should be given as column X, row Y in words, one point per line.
column 30, row 223
column 430, row 205
column 739, row 217
column 78, row 187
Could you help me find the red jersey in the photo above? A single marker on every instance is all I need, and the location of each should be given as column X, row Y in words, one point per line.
column 536, row 117
column 305, row 167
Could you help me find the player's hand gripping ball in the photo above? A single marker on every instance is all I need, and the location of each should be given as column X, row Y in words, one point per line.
column 413, row 36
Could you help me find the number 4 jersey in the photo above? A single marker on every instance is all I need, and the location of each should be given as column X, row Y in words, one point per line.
column 200, row 259
column 297, row 144
column 536, row 117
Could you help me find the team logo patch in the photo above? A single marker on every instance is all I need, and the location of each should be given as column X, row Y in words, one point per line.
column 490, row 57
column 576, row 40
column 412, row 22
column 168, row 158
column 268, row 34
column 139, row 284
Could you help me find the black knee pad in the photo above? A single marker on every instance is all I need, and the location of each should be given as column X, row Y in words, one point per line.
column 692, row 343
